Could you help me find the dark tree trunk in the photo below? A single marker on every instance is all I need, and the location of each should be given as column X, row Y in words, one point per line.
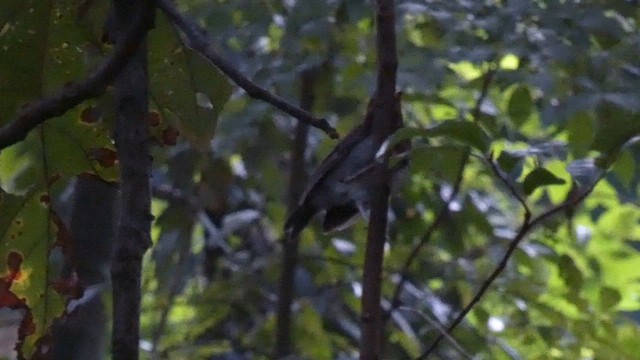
column 297, row 181
column 387, row 118
column 82, row 334
column 132, row 142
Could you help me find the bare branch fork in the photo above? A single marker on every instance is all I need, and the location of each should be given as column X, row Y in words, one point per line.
column 73, row 93
column 198, row 41
column 527, row 225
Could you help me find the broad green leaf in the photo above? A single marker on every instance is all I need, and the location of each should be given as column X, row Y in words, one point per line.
column 614, row 127
column 609, row 297
column 30, row 233
column 42, row 49
column 520, row 105
column 187, row 88
column 581, row 130
column 570, row 273
column 539, row 177
column 61, row 148
column 625, row 167
column 311, row 338
column 508, row 160
column 467, row 132
column 439, row 162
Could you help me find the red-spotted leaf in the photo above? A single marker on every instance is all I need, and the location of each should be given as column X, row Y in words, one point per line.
column 29, row 233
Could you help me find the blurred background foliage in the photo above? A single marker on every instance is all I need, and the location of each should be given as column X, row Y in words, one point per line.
column 560, row 88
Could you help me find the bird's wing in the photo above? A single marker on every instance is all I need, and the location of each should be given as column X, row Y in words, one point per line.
column 339, row 153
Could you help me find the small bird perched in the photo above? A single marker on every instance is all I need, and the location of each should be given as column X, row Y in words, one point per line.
column 339, row 185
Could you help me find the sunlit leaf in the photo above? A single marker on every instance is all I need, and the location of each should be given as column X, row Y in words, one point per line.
column 520, row 105
column 467, row 132
column 30, row 234
column 539, row 177
column 581, row 129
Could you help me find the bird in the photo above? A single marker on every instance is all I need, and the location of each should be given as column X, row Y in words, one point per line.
column 341, row 185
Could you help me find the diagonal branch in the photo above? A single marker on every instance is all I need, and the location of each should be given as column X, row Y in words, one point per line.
column 525, row 228
column 72, row 94
column 424, row 239
column 197, row 40
column 444, row 212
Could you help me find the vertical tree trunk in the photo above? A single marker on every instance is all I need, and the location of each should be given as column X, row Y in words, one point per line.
column 372, row 320
column 386, row 119
column 297, row 181
column 132, row 142
column 82, row 334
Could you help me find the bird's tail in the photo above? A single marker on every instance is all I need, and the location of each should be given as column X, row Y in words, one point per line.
column 299, row 219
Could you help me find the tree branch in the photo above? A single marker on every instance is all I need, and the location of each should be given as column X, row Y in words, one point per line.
column 73, row 93
column 440, row 328
column 525, row 228
column 444, row 212
column 197, row 40
column 426, row 237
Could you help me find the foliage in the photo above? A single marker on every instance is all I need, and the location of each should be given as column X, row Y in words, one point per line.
column 546, row 91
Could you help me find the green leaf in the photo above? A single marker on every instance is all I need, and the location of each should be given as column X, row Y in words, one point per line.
column 609, row 297
column 520, row 105
column 29, row 232
column 42, row 49
column 439, row 162
column 625, row 167
column 570, row 273
column 614, row 127
column 539, row 177
column 63, row 147
column 467, row 132
column 311, row 338
column 185, row 86
column 508, row 160
column 581, row 131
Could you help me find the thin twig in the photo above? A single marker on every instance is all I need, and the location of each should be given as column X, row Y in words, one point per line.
column 525, row 228
column 512, row 189
column 198, row 41
column 174, row 289
column 426, row 237
column 484, row 91
column 444, row 212
column 441, row 329
column 73, row 93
